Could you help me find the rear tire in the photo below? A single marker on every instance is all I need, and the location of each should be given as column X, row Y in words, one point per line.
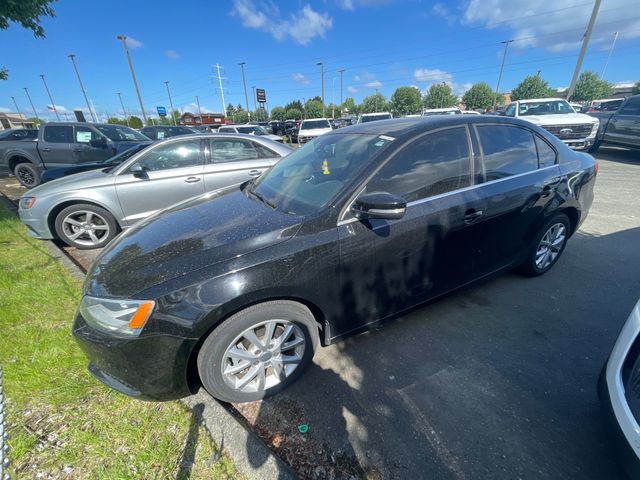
column 27, row 174
column 85, row 226
column 258, row 351
column 547, row 246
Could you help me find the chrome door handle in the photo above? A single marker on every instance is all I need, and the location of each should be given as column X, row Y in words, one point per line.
column 255, row 173
column 472, row 216
column 192, row 179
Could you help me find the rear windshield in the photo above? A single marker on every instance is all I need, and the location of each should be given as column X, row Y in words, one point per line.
column 312, row 124
column 372, row 118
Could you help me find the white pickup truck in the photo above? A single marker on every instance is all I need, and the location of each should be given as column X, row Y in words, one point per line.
column 577, row 130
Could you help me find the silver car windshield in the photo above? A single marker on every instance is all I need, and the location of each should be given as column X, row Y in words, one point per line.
column 312, row 176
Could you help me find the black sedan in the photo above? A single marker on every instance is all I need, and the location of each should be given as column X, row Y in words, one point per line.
column 235, row 290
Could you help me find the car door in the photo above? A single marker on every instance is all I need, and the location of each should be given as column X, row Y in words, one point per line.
column 171, row 172
column 83, row 148
column 519, row 180
column 388, row 265
column 55, row 146
column 235, row 160
column 624, row 126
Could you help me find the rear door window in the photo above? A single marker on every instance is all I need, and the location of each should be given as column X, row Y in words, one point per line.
column 58, row 134
column 546, row 154
column 232, row 150
column 507, row 151
column 632, row 107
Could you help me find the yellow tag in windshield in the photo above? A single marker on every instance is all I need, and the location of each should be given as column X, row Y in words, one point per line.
column 325, row 168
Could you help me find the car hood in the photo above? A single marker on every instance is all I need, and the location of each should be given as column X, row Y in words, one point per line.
column 90, row 179
column 191, row 235
column 314, row 132
column 560, row 119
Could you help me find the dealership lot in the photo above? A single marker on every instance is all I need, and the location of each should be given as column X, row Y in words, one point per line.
column 495, row 381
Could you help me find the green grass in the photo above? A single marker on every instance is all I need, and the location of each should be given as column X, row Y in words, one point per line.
column 63, row 422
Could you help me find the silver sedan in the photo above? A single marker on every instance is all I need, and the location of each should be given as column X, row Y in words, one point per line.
column 87, row 210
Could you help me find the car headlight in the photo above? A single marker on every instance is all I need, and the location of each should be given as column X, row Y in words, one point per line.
column 125, row 317
column 594, row 128
column 27, row 202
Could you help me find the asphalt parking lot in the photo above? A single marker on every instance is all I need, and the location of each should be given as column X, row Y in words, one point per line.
column 495, row 381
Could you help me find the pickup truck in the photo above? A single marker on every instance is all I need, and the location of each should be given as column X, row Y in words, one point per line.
column 621, row 127
column 64, row 145
column 577, row 130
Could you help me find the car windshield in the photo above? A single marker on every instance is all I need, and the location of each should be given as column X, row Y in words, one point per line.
column 121, row 157
column 549, row 107
column 120, row 133
column 372, row 118
column 253, row 129
column 312, row 124
column 443, row 112
column 312, row 176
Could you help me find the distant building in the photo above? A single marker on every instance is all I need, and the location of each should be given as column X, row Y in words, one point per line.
column 190, row 119
column 14, row 120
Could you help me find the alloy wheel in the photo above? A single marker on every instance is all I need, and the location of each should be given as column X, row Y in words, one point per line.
column 25, row 177
column 550, row 246
column 263, row 356
column 85, row 227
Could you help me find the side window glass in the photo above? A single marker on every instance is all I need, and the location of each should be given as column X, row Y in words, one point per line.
column 507, row 151
column 160, row 134
column 172, row 155
column 511, row 110
column 632, row 107
column 85, row 135
column 546, row 154
column 435, row 164
column 232, row 150
column 57, row 134
column 264, row 152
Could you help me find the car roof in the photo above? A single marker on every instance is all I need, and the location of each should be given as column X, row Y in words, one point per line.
column 375, row 113
column 536, row 100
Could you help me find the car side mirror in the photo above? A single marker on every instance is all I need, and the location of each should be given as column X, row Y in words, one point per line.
column 380, row 205
column 137, row 171
column 99, row 143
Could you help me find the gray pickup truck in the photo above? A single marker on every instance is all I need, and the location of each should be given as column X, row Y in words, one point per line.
column 64, row 145
column 621, row 127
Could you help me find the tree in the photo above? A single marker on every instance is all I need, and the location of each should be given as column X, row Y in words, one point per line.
column 230, row 110
column 374, row 103
column 297, row 104
column 313, row 109
column 636, row 88
column 350, row 106
column 35, row 121
column 591, row 87
column 479, row 96
column 278, row 113
column 176, row 117
column 116, row 121
column 533, row 86
column 135, row 122
column 241, row 117
column 406, row 100
column 293, row 114
column 440, row 96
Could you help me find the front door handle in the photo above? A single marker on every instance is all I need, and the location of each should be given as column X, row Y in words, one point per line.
column 192, row 179
column 46, row 149
column 255, row 173
column 472, row 215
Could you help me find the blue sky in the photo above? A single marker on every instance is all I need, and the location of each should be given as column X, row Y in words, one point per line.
column 381, row 44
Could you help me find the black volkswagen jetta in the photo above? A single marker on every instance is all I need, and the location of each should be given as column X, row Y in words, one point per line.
column 235, row 289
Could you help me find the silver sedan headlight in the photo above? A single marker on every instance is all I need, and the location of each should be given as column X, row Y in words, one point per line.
column 26, row 202
column 122, row 317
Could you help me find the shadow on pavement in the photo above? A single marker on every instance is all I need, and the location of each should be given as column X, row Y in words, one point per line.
column 191, row 444
column 619, row 155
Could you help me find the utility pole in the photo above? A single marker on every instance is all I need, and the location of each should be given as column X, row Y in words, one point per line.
column 16, row 104
column 244, row 82
column 200, row 111
column 224, row 106
column 255, row 108
column 341, row 72
column 504, row 57
column 53, row 105
column 583, row 50
column 123, row 110
column 133, row 74
column 321, row 65
column 613, row 45
column 173, row 117
column 84, row 93
column 34, row 108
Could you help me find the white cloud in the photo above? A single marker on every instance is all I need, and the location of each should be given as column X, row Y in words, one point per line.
column 132, row 43
column 193, row 108
column 351, row 4
column 172, row 54
column 351, row 89
column 431, row 75
column 302, row 26
column 373, row 84
column 300, row 78
column 441, row 10
column 557, row 26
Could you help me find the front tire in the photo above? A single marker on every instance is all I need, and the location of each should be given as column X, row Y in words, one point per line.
column 258, row 351
column 85, row 226
column 547, row 246
column 27, row 174
column 594, row 148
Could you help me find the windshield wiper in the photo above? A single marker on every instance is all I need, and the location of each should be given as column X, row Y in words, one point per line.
column 250, row 188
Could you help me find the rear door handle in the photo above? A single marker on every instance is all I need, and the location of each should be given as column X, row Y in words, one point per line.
column 192, row 179
column 255, row 173
column 46, row 149
column 472, row 215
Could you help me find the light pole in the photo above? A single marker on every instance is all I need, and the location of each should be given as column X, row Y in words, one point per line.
column 16, row 104
column 173, row 118
column 200, row 111
column 504, row 57
column 53, row 104
column 244, row 82
column 123, row 110
column 341, row 72
column 613, row 45
column 321, row 65
column 84, row 93
column 333, row 103
column 255, row 108
column 32, row 107
column 583, row 49
column 133, row 74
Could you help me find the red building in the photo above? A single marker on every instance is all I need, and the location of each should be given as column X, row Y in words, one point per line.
column 190, row 119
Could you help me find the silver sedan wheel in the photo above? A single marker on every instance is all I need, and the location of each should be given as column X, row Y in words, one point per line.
column 550, row 246
column 263, row 356
column 85, row 227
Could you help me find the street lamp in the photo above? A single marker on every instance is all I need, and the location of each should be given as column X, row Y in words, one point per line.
column 173, row 118
column 504, row 57
column 133, row 74
column 33, row 108
column 123, row 110
column 321, row 65
column 53, row 104
column 244, row 82
column 341, row 71
column 73, row 61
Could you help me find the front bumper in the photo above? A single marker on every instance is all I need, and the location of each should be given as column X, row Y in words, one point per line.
column 580, row 144
column 37, row 225
column 149, row 367
column 613, row 395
